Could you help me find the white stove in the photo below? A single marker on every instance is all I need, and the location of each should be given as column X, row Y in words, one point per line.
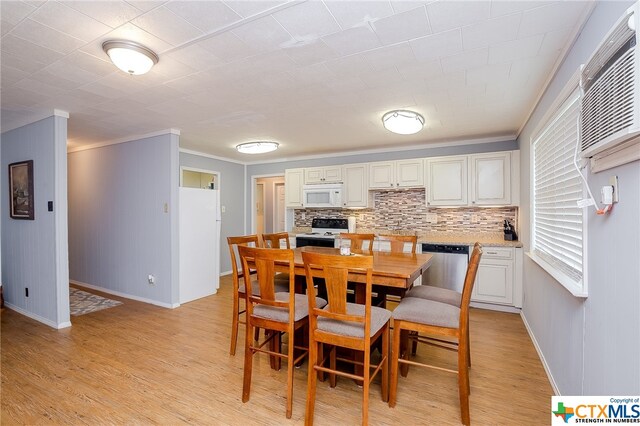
column 323, row 232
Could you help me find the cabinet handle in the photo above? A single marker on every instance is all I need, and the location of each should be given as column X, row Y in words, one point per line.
column 492, row 252
column 473, row 202
column 397, row 184
column 391, row 184
column 428, row 203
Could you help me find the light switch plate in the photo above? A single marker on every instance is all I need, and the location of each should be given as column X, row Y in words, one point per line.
column 432, row 218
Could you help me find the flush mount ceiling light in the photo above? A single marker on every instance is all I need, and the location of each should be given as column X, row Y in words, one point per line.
column 257, row 147
column 129, row 56
column 403, row 122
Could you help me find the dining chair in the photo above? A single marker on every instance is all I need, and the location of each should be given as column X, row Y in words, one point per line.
column 438, row 294
column 360, row 243
column 397, row 244
column 439, row 319
column 344, row 324
column 276, row 312
column 274, row 241
column 238, row 286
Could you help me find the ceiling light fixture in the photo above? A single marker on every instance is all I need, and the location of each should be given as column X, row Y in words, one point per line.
column 403, row 122
column 257, row 147
column 131, row 57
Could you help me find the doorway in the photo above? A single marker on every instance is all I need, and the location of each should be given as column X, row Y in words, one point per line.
column 268, row 214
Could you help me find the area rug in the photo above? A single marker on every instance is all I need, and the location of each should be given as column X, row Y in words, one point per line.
column 82, row 302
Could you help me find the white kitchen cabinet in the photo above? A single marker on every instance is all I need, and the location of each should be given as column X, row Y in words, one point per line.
column 329, row 174
column 498, row 280
column 396, row 174
column 490, row 179
column 293, row 179
column 356, row 188
column 446, row 181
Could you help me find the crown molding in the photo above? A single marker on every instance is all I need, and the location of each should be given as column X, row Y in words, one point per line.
column 124, row 140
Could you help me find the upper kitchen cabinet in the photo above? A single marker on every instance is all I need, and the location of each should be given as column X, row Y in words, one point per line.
column 293, row 179
column 490, row 181
column 329, row 174
column 447, row 181
column 396, row 174
column 356, row 188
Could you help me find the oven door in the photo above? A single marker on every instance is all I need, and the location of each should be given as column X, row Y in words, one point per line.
column 318, row 242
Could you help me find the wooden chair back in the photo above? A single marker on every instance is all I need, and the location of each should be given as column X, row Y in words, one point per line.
column 234, row 243
column 263, row 261
column 273, row 240
column 469, row 281
column 334, row 270
column 358, row 242
column 398, row 242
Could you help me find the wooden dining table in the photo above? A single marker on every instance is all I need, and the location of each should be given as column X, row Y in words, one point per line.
column 392, row 270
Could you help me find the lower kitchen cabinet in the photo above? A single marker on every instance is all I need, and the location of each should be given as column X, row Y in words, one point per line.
column 499, row 280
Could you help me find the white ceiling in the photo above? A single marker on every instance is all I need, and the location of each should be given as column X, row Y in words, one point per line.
column 315, row 76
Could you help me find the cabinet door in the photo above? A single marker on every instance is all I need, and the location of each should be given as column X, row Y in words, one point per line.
column 293, row 179
column 382, row 175
column 447, row 181
column 491, row 179
column 332, row 174
column 356, row 190
column 494, row 282
column 313, row 175
column 409, row 173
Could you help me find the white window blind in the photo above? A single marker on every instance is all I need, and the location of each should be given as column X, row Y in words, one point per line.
column 557, row 220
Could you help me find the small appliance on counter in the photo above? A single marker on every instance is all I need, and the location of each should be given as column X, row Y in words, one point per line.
column 509, row 232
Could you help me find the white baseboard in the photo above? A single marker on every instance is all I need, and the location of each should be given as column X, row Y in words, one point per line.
column 494, row 307
column 37, row 317
column 556, row 391
column 126, row 295
column 229, row 272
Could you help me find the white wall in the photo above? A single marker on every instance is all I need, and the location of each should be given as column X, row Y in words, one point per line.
column 119, row 231
column 592, row 346
column 34, row 252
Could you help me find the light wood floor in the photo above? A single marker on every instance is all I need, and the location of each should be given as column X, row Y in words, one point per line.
column 141, row 364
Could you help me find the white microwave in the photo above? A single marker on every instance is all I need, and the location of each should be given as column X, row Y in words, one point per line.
column 327, row 195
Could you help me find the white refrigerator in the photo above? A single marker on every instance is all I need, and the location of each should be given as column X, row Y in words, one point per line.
column 199, row 243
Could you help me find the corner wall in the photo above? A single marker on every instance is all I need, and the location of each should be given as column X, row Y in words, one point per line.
column 590, row 346
column 119, row 228
column 34, row 252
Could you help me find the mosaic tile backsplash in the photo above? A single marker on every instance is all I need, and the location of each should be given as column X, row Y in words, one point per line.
column 406, row 210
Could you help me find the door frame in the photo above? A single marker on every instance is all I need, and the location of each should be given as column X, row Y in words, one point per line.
column 275, row 206
column 255, row 205
column 254, row 180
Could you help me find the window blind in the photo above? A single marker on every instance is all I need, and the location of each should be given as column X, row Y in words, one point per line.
column 557, row 186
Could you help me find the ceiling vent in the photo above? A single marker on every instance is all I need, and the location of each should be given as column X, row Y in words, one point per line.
column 610, row 112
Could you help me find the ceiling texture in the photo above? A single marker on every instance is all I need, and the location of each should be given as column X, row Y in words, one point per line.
column 315, row 76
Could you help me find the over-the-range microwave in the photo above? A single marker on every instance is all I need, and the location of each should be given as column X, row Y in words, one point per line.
column 324, row 195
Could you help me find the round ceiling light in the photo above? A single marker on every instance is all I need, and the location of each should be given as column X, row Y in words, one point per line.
column 257, row 147
column 403, row 122
column 129, row 56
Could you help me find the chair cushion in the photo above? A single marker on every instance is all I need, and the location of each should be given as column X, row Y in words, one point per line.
column 379, row 317
column 282, row 314
column 443, row 295
column 428, row 312
column 280, row 286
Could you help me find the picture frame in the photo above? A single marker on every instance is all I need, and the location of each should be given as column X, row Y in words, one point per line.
column 21, row 190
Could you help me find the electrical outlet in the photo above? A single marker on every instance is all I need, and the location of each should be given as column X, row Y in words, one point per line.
column 223, row 209
column 152, row 279
column 303, row 215
column 474, row 218
column 166, row 207
column 432, row 218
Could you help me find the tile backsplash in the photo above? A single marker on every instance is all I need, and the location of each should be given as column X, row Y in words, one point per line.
column 406, row 210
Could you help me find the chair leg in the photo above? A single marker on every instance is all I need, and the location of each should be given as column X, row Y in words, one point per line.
column 395, row 350
column 404, row 352
column 290, row 368
column 468, row 347
column 332, row 365
column 278, row 348
column 248, row 364
column 385, row 367
column 321, row 376
column 365, row 386
column 256, row 334
column 463, row 380
column 414, row 345
column 234, row 325
column 311, row 382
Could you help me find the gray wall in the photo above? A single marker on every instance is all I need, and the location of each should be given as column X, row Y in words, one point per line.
column 591, row 346
column 119, row 232
column 279, row 167
column 232, row 188
column 34, row 252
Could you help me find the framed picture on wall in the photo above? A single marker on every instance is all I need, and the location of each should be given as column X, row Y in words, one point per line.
column 21, row 190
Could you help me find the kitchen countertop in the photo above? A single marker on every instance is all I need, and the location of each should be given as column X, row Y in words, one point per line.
column 466, row 238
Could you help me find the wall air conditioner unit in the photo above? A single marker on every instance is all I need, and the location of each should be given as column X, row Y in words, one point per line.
column 610, row 106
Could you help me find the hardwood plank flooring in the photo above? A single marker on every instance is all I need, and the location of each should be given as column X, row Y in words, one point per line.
column 141, row 364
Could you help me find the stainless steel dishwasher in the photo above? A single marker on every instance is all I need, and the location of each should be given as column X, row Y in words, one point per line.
column 448, row 267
